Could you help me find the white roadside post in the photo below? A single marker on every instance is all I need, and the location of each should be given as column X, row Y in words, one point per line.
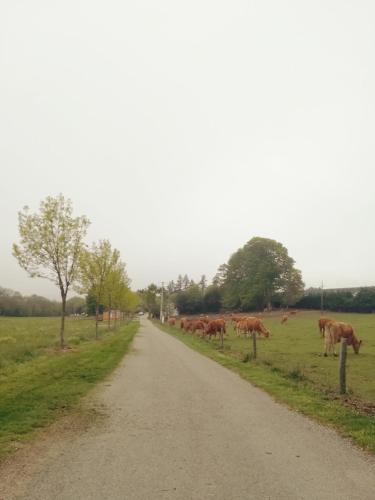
column 161, row 303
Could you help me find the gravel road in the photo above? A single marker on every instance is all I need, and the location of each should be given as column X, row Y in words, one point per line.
column 180, row 426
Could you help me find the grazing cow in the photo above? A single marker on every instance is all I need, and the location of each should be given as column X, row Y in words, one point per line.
column 333, row 333
column 256, row 325
column 251, row 324
column 172, row 321
column 215, row 326
column 188, row 325
column 182, row 323
column 322, row 324
column 242, row 325
column 239, row 324
column 199, row 325
column 284, row 319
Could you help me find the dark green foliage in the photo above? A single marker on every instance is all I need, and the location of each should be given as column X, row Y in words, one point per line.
column 91, row 305
column 343, row 301
column 212, row 300
column 190, row 301
column 258, row 273
column 14, row 304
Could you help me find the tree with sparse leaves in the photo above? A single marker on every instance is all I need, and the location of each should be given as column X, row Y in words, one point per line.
column 95, row 266
column 51, row 245
column 117, row 280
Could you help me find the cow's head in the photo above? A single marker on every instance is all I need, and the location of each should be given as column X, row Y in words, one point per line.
column 266, row 333
column 356, row 345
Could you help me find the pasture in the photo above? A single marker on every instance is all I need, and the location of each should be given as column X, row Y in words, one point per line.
column 38, row 381
column 23, row 339
column 295, row 350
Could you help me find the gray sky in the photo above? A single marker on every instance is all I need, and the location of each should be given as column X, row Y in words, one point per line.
column 183, row 129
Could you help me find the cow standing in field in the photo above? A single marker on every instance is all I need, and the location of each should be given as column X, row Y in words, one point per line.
column 171, row 321
column 215, row 326
column 256, row 325
column 251, row 324
column 239, row 324
column 322, row 324
column 333, row 333
column 182, row 323
column 199, row 326
column 284, row 319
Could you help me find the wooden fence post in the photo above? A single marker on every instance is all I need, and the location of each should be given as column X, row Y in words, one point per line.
column 342, row 369
column 254, row 345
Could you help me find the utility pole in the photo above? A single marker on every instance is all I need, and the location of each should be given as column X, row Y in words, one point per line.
column 161, row 303
column 322, row 301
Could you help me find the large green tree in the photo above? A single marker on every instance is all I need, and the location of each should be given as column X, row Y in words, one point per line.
column 51, row 245
column 257, row 273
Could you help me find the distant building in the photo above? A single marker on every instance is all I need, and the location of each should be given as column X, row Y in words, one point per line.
column 115, row 315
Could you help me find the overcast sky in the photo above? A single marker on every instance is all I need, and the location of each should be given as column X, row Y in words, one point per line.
column 183, row 129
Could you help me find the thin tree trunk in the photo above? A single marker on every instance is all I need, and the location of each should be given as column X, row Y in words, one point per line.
column 96, row 321
column 62, row 327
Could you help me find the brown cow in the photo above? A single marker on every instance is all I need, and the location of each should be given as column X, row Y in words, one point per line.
column 215, row 326
column 322, row 324
column 182, row 322
column 172, row 321
column 199, row 325
column 284, row 319
column 251, row 324
column 256, row 325
column 188, row 325
column 333, row 333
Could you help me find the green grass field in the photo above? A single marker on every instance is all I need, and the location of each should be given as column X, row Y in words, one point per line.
column 296, row 350
column 38, row 382
column 290, row 366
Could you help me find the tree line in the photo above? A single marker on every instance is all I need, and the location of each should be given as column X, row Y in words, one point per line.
column 259, row 275
column 15, row 304
column 362, row 301
column 52, row 246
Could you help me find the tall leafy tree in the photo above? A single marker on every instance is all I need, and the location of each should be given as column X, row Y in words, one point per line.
column 257, row 272
column 221, row 275
column 51, row 245
column 179, row 283
column 203, row 283
column 185, row 282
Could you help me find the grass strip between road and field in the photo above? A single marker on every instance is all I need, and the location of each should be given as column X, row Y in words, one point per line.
column 302, row 396
column 37, row 392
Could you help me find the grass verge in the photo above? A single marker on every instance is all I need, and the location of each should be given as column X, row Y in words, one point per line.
column 295, row 392
column 33, row 394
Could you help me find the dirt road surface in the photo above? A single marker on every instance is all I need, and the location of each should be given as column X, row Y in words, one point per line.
column 179, row 426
